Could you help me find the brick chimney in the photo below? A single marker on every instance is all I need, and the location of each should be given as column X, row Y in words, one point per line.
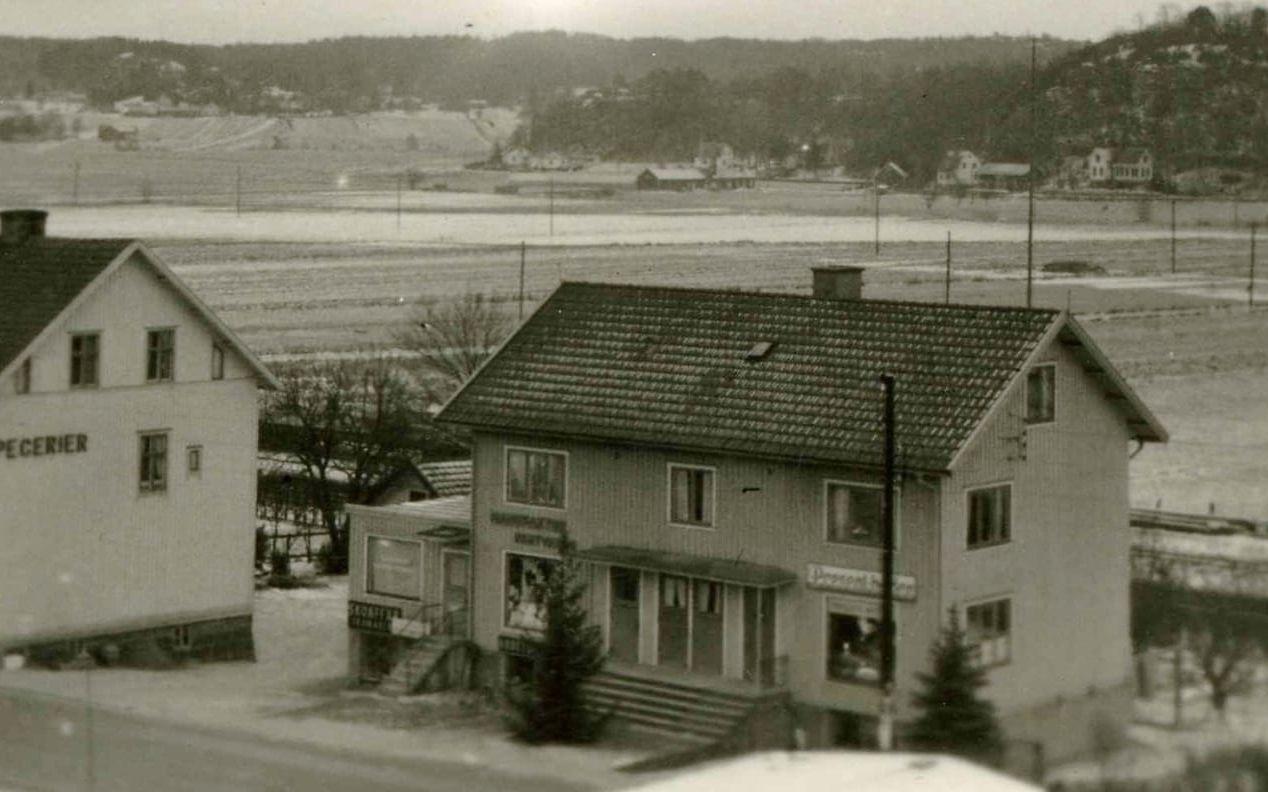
column 838, row 282
column 19, row 225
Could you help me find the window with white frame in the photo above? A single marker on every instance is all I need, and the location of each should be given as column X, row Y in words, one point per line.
column 536, row 478
column 1041, row 385
column 84, row 348
column 854, row 641
column 673, row 591
column 854, row 513
column 988, row 630
column 160, row 355
column 153, row 474
column 525, row 593
column 393, row 567
column 990, row 515
column 690, row 495
column 708, row 597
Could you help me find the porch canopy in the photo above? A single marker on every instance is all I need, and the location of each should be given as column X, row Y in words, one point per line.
column 725, row 570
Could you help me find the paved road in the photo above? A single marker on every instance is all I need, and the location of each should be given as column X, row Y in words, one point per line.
column 43, row 746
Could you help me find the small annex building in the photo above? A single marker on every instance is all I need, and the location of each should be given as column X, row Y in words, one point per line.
column 128, row 421
column 716, row 458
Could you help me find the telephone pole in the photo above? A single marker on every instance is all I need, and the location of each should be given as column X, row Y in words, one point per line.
column 948, row 281
column 1030, row 215
column 552, row 206
column 523, row 256
column 888, row 645
column 1173, row 236
column 876, row 190
column 1250, row 289
column 237, row 193
column 75, row 188
column 398, row 203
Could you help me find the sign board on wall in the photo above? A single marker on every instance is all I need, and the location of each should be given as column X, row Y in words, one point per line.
column 857, row 581
column 517, row 520
column 371, row 617
column 44, row 445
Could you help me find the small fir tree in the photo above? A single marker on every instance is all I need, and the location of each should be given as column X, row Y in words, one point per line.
column 549, row 706
column 954, row 719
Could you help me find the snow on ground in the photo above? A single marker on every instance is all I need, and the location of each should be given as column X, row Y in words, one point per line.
column 300, row 672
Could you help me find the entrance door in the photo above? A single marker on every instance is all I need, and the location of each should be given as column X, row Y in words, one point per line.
column 624, row 619
column 706, row 627
column 672, row 633
column 457, row 595
column 759, row 635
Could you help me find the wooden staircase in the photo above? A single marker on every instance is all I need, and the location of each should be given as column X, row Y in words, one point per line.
column 412, row 673
column 671, row 708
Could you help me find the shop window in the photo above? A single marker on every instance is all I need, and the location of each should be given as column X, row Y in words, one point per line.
column 673, row 592
column 690, row 495
column 1041, row 386
column 854, row 647
column 625, row 585
column 393, row 567
column 854, row 514
column 526, row 576
column 988, row 630
column 990, row 515
column 22, row 378
column 83, row 359
column 160, row 355
column 153, row 472
column 217, row 362
column 536, row 478
column 708, row 597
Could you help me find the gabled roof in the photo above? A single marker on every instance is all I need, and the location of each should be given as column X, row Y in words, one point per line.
column 446, row 479
column 1003, row 169
column 676, row 174
column 43, row 278
column 670, row 367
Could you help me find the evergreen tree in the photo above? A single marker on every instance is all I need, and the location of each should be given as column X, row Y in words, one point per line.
column 549, row 706
column 954, row 719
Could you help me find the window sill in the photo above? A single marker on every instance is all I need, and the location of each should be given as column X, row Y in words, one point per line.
column 563, row 508
column 1035, row 422
column 694, row 526
column 860, row 683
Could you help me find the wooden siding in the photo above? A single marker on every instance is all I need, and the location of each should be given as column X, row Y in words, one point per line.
column 766, row 513
column 1066, row 567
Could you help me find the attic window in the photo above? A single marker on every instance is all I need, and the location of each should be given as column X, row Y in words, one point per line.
column 759, row 351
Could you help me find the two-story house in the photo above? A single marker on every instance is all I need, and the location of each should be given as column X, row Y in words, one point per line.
column 716, row 456
column 958, row 169
column 128, row 417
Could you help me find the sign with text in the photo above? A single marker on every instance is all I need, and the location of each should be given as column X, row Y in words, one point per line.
column 44, row 445
column 538, row 540
column 857, row 581
column 517, row 520
column 371, row 617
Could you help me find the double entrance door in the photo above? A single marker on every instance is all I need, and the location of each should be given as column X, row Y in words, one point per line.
column 688, row 620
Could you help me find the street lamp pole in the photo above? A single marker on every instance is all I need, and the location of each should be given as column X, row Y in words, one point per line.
column 888, row 644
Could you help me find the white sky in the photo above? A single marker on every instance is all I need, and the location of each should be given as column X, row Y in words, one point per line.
column 219, row 21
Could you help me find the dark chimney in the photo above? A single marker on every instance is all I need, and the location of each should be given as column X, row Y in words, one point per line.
column 19, row 225
column 838, row 282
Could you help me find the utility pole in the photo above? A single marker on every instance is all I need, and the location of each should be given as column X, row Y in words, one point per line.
column 1030, row 215
column 876, row 190
column 74, row 195
column 1177, row 679
column 90, row 769
column 948, row 282
column 237, row 193
column 523, row 256
column 1173, row 236
column 886, row 730
column 552, row 206
column 398, row 203
column 1250, row 289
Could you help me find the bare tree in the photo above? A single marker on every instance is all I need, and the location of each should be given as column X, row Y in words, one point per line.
column 354, row 417
column 453, row 339
column 1224, row 648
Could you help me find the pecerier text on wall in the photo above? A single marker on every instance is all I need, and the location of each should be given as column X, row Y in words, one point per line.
column 43, row 445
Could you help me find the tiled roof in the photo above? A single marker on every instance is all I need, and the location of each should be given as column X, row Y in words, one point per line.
column 447, row 478
column 39, row 278
column 664, row 366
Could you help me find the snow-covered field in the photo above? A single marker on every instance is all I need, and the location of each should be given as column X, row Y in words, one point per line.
column 301, row 646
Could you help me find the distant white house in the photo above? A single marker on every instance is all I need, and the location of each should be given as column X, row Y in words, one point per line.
column 1003, row 175
column 516, row 158
column 958, row 169
column 550, row 161
column 1134, row 165
column 1100, row 164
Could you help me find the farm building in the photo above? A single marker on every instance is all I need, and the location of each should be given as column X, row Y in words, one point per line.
column 733, row 178
column 1003, row 175
column 717, row 461
column 670, row 179
column 128, row 419
column 958, row 169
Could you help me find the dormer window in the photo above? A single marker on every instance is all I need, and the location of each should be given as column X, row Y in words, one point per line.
column 1041, row 386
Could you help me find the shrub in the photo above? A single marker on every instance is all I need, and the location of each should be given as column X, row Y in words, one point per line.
column 279, row 564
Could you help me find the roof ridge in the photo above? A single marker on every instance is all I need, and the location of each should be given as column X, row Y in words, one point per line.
column 811, row 298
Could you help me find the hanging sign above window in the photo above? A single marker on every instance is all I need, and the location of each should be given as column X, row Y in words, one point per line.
column 46, row 445
column 857, row 581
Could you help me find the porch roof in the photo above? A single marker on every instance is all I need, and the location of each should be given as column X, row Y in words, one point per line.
column 726, row 570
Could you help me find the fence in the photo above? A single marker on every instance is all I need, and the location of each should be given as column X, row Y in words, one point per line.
column 297, row 545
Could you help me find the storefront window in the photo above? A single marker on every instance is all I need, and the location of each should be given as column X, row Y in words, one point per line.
column 393, row 567
column 854, row 648
column 526, row 578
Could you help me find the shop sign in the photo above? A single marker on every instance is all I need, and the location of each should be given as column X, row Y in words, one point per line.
column 45, row 445
column 517, row 520
column 538, row 540
column 371, row 617
column 857, row 581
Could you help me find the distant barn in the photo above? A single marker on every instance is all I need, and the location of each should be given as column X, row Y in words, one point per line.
column 670, row 179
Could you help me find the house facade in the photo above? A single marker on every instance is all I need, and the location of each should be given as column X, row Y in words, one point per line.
column 717, row 463
column 681, row 179
column 128, row 417
column 1100, row 165
column 1133, row 166
column 958, row 169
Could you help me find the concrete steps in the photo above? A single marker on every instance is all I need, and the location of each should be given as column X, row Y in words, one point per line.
column 675, row 709
column 408, row 675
